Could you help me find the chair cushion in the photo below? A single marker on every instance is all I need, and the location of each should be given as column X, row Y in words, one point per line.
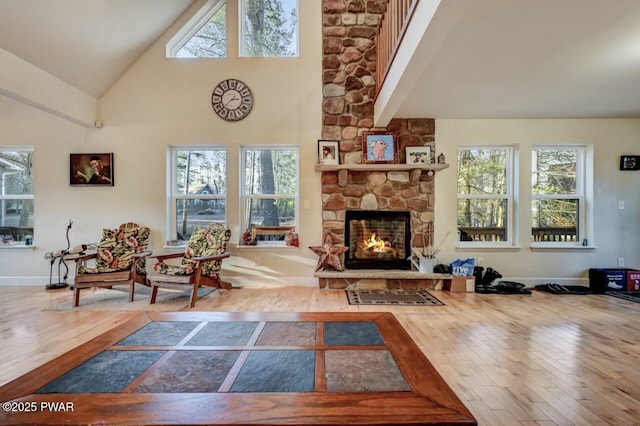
column 116, row 249
column 203, row 242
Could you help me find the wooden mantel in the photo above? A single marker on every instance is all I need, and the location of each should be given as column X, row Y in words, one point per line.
column 379, row 167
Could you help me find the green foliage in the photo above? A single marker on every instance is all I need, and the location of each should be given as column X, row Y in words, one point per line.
column 554, row 171
column 482, row 187
column 268, row 31
column 201, row 167
column 210, row 41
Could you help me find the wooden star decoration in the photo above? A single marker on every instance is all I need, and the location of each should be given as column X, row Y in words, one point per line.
column 329, row 254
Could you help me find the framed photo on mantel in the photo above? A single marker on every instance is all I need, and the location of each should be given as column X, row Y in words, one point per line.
column 328, row 152
column 379, row 148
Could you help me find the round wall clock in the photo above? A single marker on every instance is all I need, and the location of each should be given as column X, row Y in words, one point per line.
column 232, row 100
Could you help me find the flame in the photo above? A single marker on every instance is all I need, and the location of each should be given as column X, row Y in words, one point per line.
column 376, row 244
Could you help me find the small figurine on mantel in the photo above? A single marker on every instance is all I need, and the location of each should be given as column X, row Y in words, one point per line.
column 329, row 254
column 441, row 159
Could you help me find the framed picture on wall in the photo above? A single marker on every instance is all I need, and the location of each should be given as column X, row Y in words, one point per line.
column 328, row 152
column 379, row 147
column 417, row 155
column 91, row 169
column 630, row 162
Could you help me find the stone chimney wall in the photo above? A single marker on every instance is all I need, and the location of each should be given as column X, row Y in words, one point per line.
column 349, row 81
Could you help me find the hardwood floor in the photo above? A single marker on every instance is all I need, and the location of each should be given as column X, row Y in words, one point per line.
column 512, row 359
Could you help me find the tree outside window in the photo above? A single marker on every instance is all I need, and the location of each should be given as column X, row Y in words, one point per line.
column 485, row 194
column 16, row 195
column 269, row 176
column 198, row 189
column 269, row 28
column 556, row 194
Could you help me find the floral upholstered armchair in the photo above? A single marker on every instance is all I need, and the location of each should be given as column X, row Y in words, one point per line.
column 119, row 260
column 200, row 265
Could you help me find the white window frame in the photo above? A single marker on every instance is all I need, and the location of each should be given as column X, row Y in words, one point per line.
column 192, row 26
column 584, row 195
column 4, row 197
column 510, row 195
column 244, row 195
column 173, row 197
column 242, row 31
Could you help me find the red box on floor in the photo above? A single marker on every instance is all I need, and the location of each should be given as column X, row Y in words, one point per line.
column 633, row 280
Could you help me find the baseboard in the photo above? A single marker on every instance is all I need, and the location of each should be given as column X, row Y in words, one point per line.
column 25, row 281
column 291, row 281
column 239, row 282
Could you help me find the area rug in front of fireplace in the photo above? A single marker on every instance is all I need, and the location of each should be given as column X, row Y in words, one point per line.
column 392, row 297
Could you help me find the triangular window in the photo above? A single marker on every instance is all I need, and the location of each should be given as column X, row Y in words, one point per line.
column 204, row 36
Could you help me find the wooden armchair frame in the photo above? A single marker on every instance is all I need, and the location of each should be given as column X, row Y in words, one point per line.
column 205, row 245
column 128, row 276
column 195, row 280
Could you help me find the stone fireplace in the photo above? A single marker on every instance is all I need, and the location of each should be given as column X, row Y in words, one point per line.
column 349, row 91
column 409, row 191
column 377, row 240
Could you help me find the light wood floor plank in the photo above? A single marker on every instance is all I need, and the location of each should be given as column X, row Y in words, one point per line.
column 515, row 360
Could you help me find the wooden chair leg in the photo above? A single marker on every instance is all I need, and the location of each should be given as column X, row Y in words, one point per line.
column 76, row 296
column 224, row 284
column 154, row 293
column 194, row 295
column 132, row 291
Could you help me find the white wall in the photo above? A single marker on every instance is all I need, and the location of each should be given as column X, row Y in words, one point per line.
column 160, row 102
column 616, row 230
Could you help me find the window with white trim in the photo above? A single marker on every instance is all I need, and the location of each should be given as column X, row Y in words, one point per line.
column 204, row 36
column 197, row 189
column 558, row 201
column 485, row 195
column 16, row 195
column 269, row 178
column 268, row 28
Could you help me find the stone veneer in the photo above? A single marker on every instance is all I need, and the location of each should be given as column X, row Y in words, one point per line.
column 349, row 81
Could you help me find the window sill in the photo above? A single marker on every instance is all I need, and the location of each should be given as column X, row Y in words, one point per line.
column 486, row 247
column 16, row 246
column 551, row 247
column 266, row 246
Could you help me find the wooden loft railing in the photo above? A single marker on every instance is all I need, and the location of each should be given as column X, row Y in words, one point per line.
column 391, row 29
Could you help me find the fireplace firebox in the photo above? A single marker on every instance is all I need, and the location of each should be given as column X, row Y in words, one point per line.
column 377, row 239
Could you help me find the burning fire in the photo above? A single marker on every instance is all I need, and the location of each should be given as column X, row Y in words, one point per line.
column 377, row 245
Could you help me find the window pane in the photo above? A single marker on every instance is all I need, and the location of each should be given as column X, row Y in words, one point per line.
column 201, row 172
column 270, row 211
column 269, row 219
column 16, row 173
column 482, row 219
column 197, row 213
column 269, row 28
column 210, row 41
column 16, row 219
column 16, row 178
column 554, row 220
column 554, row 171
column 270, row 172
column 482, row 171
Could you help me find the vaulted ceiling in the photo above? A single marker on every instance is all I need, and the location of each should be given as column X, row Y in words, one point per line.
column 86, row 43
column 476, row 59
